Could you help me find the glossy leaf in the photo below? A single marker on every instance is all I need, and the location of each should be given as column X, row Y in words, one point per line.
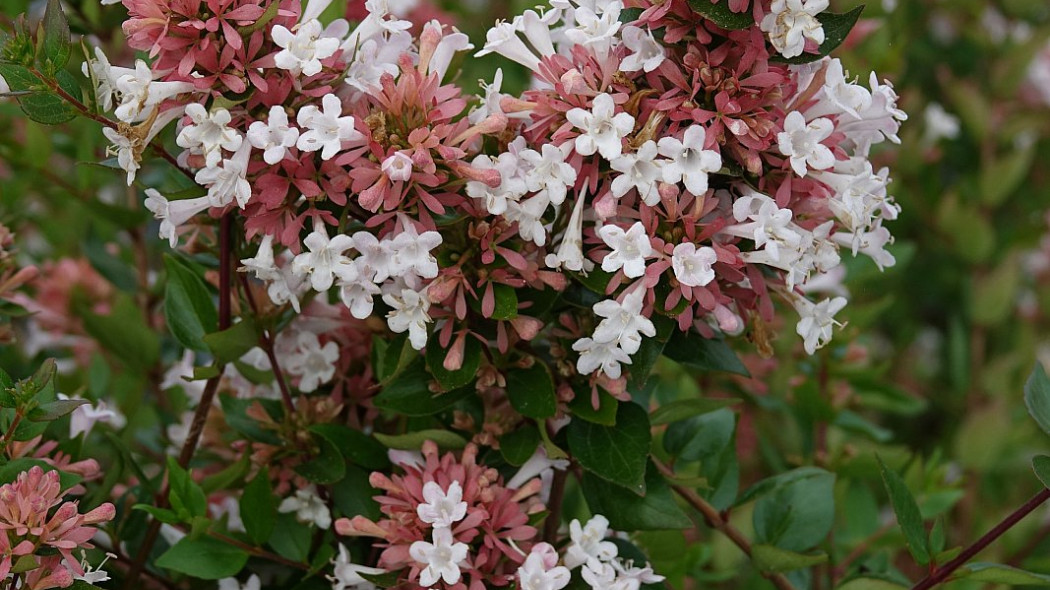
column 707, row 354
column 188, row 308
column 412, row 441
column 684, row 409
column 460, row 377
column 204, row 557
column 617, row 454
column 774, row 560
column 908, row 516
column 1037, row 397
column 56, row 47
column 718, row 12
column 234, row 342
column 409, row 393
column 627, row 511
column 531, row 391
column 259, row 507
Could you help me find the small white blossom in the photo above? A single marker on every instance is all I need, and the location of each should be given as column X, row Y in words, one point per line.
column 312, row 363
column 324, row 259
column 624, row 323
column 692, row 265
column 442, row 508
column 139, row 93
column 173, row 214
column 629, row 249
column 570, row 252
column 817, row 321
column 640, row 171
column 274, row 136
column 105, row 77
column 262, row 265
column 549, row 172
column 209, row 133
column 688, row 160
column 801, row 143
column 398, row 167
column 228, row 182
column 303, row 50
column 441, row 558
column 348, row 574
column 412, row 251
column 606, row 356
column 646, row 52
column 408, row 312
column 602, row 129
column 96, row 574
column 596, row 29
column 358, row 295
column 588, row 542
column 252, row 583
column 511, row 188
column 326, row 129
column 534, row 575
column 308, row 507
column 376, row 260
column 940, row 123
column 503, row 39
column 790, row 22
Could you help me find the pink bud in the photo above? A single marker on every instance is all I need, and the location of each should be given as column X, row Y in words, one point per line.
column 104, row 513
column 490, row 177
column 547, row 553
column 454, row 356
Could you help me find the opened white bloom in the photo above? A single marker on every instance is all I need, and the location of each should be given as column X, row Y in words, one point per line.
column 324, row 259
column 588, row 542
column 348, row 574
column 503, row 39
column 817, row 321
column 412, row 251
column 646, row 52
column 549, row 172
column 512, row 185
column 128, row 143
column 692, row 265
column 596, row 29
column 308, row 507
column 173, row 214
column 641, row 171
column 84, row 417
column 105, row 77
column 376, row 57
column 376, row 261
column 398, row 167
column 624, row 323
column 790, row 22
column 179, row 375
column 629, row 249
column 541, row 466
column 602, row 129
column 534, row 575
column 358, row 294
column 940, row 123
column 209, row 133
column 228, row 183
column 441, row 558
column 274, row 136
column 446, row 49
column 689, row 161
column 800, row 141
column 604, row 356
column 442, row 508
column 262, row 265
column 303, row 50
column 139, row 94
column 327, row 129
column 312, row 363
column 252, row 583
column 408, row 312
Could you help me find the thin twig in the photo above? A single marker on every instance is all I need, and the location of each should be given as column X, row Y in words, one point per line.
column 267, row 342
column 715, row 520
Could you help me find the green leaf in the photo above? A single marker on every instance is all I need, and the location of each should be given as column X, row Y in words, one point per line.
column 774, row 560
column 643, row 361
column 291, row 538
column 617, row 453
column 162, row 514
column 1041, row 466
column 719, row 13
column 412, row 441
column 871, row 584
column 506, row 298
column 234, row 342
column 627, row 511
column 204, row 558
column 188, row 308
column 54, row 410
column 468, row 370
column 56, row 46
column 409, row 393
column 798, row 512
column 908, row 516
column 356, row 446
column 124, row 332
column 259, row 508
column 383, row 580
column 1037, row 397
column 836, row 29
column 327, row 466
column 995, row 573
column 354, row 494
column 236, row 414
column 707, row 354
column 709, row 438
column 519, row 444
column 582, row 406
column 531, row 391
column 684, row 409
column 228, row 475
column 186, row 497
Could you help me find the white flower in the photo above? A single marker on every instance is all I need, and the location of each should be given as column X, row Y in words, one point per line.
column 441, row 558
column 940, row 123
column 274, row 136
column 348, row 574
column 84, row 417
column 209, row 133
column 374, row 58
column 308, row 508
column 139, row 93
column 549, row 172
column 490, row 100
column 178, row 374
column 503, row 39
column 442, row 508
column 177, row 434
column 303, row 50
column 689, row 161
column 570, row 252
column 790, row 22
column 692, row 265
column 228, row 182
column 538, row 465
column 528, row 214
column 801, row 143
column 376, row 261
column 105, row 77
column 398, row 167
column 640, row 171
column 253, row 583
column 594, row 30
column 511, row 188
column 624, row 323
column 97, row 574
column 446, row 49
column 412, row 251
column 817, row 321
column 326, row 129
column 313, row 363
column 408, row 311
column 533, row 575
column 629, row 249
column 607, row 356
column 324, row 259
column 357, row 295
column 262, row 265
column 128, row 148
column 646, row 52
column 172, row 214
column 588, row 542
column 602, row 129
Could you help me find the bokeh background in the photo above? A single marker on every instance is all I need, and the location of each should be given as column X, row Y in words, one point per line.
column 928, row 371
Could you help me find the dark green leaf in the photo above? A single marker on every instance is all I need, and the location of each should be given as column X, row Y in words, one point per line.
column 506, row 298
column 582, row 406
column 1037, row 397
column 54, row 410
column 615, row 453
column 684, row 409
column 236, row 415
column 409, row 393
column 908, row 516
column 871, row 584
column 188, row 308
column 468, row 370
column 353, row 495
column 414, row 440
column 1041, row 465
column 124, row 332
column 327, row 465
column 719, row 13
column 205, row 558
column 56, row 45
column 836, row 29
column 291, row 538
column 186, row 497
column 707, row 354
column 356, row 446
column 259, row 508
column 774, row 560
column 384, row 580
column 232, row 343
column 531, row 391
column 162, row 514
column 643, row 361
column 627, row 511
column 796, row 515
column 995, row 573
column 518, row 445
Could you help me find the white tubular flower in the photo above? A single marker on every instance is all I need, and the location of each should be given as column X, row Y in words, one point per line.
column 274, row 136
column 442, row 508
column 412, row 251
column 348, row 574
column 604, row 356
column 549, row 172
column 602, row 129
column 629, row 249
column 641, row 171
column 570, row 252
column 308, row 507
column 312, row 363
column 940, row 124
column 624, row 323
column 253, row 583
column 172, row 214
column 588, row 543
column 511, row 188
column 398, row 167
column 228, row 182
column 441, row 558
column 376, row 260
column 105, row 77
column 534, row 575
column 528, row 214
column 209, row 133
column 596, row 30
column 408, row 312
column 801, row 143
column 503, row 39
column 692, row 265
column 303, row 50
column 84, row 417
column 447, row 49
column 646, row 52
column 790, row 22
column 327, row 129
column 817, row 321
column 128, row 148
column 324, row 259
column 262, row 265
column 688, row 161
column 489, row 103
column 358, row 295
column 139, row 93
